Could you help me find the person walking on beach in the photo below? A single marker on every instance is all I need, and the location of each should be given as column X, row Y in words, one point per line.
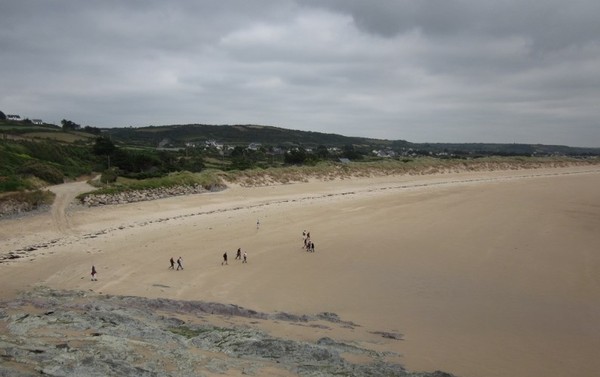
column 224, row 259
column 238, row 255
column 172, row 261
column 245, row 258
column 312, row 247
column 257, row 223
column 179, row 264
column 94, row 278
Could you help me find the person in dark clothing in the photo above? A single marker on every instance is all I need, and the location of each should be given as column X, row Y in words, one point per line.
column 172, row 261
column 224, row 259
column 94, row 278
column 179, row 264
column 239, row 254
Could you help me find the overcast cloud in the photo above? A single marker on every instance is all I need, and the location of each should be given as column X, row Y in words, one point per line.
column 524, row 71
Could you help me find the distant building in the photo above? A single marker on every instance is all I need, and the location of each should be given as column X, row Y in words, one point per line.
column 388, row 153
column 213, row 144
column 13, row 117
column 163, row 143
column 254, row 146
column 37, row 121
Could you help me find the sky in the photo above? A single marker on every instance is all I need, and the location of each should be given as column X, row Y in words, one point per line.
column 457, row 71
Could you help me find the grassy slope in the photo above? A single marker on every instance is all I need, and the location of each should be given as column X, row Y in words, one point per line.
column 210, row 178
column 417, row 166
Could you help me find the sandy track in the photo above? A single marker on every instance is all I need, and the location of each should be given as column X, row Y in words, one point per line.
column 65, row 195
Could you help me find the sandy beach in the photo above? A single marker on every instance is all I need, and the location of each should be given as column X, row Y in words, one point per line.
column 484, row 273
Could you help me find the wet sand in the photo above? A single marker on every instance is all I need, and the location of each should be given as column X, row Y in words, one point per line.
column 485, row 274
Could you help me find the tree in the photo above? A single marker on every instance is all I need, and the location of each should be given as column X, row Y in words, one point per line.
column 323, row 152
column 351, row 153
column 68, row 125
column 296, row 156
column 92, row 130
column 2, row 116
column 240, row 158
column 103, row 146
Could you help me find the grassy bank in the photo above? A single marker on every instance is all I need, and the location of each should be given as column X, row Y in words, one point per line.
column 25, row 201
column 407, row 166
column 209, row 179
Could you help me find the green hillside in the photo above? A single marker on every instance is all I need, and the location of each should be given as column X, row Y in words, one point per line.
column 179, row 135
column 36, row 155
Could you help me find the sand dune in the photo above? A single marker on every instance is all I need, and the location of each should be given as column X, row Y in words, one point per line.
column 485, row 274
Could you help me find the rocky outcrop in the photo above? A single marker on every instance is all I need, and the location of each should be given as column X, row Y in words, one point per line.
column 58, row 333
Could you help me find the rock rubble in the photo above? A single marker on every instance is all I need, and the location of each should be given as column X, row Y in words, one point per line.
column 15, row 208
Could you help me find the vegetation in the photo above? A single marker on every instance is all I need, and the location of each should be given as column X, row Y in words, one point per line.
column 330, row 170
column 189, row 332
column 207, row 179
column 34, row 156
column 28, row 199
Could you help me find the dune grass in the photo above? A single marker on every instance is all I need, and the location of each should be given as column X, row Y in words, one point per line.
column 405, row 166
column 212, row 179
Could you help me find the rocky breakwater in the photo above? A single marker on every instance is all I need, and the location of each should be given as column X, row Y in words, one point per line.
column 65, row 333
column 132, row 196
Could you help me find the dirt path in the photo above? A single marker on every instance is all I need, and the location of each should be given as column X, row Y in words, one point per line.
column 65, row 194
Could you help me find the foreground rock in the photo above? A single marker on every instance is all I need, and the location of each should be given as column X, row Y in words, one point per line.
column 56, row 333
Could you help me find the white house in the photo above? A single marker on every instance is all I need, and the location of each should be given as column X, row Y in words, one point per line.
column 13, row 117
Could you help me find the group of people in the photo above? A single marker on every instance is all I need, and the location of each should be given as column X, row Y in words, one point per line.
column 309, row 245
column 243, row 258
column 179, row 264
column 238, row 255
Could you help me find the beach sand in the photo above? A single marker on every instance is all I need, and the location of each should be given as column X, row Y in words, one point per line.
column 484, row 273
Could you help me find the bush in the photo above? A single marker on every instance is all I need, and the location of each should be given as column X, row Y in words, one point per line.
column 109, row 176
column 31, row 199
column 12, row 183
column 42, row 171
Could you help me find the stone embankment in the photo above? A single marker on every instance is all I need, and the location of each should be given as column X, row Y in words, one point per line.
column 65, row 333
column 9, row 208
column 93, row 200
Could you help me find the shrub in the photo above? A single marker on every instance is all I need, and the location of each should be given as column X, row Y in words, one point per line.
column 12, row 183
column 33, row 199
column 42, row 171
column 109, row 176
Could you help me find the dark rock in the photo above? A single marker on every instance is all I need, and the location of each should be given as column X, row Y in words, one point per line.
column 389, row 335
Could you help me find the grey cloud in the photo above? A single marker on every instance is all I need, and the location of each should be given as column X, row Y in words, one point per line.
column 548, row 23
column 428, row 70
